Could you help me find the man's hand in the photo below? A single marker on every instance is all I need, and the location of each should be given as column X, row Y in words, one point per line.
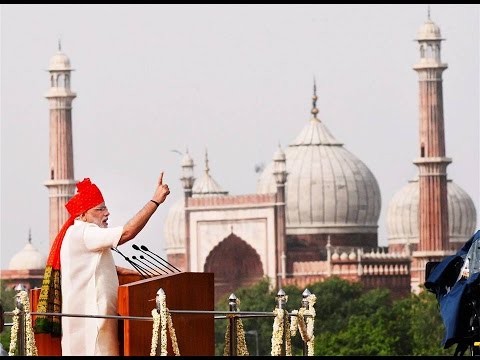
column 162, row 190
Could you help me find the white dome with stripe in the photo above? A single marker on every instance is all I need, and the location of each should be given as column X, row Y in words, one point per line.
column 328, row 189
column 29, row 258
column 402, row 215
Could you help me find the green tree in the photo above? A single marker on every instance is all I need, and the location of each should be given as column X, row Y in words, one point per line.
column 425, row 326
column 333, row 306
column 349, row 320
column 377, row 325
column 7, row 299
column 258, row 297
column 367, row 326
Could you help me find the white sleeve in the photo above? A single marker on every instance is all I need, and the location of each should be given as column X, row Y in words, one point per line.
column 97, row 238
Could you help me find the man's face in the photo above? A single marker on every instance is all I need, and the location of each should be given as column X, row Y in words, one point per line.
column 98, row 215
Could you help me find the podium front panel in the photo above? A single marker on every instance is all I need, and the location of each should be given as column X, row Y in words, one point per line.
column 184, row 291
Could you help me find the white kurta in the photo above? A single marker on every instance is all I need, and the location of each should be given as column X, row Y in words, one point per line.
column 89, row 286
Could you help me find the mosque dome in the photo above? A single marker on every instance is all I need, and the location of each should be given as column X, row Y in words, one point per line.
column 429, row 31
column 29, row 258
column 59, row 62
column 402, row 215
column 174, row 226
column 328, row 189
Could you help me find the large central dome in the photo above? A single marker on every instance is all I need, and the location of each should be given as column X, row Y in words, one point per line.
column 328, row 189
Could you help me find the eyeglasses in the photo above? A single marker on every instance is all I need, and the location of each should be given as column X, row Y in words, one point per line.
column 100, row 208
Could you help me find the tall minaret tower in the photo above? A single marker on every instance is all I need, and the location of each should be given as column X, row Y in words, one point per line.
column 432, row 164
column 61, row 184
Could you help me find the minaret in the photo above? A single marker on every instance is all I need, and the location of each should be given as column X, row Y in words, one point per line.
column 187, row 182
column 432, row 163
column 280, row 173
column 61, row 184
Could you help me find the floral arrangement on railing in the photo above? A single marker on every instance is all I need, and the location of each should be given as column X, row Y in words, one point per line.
column 31, row 346
column 305, row 327
column 281, row 325
column 242, row 349
column 161, row 320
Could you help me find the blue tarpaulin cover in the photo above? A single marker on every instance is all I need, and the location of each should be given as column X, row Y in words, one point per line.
column 455, row 282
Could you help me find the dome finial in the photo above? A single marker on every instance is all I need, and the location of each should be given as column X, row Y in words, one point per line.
column 428, row 12
column 314, row 99
column 59, row 44
column 29, row 235
column 207, row 169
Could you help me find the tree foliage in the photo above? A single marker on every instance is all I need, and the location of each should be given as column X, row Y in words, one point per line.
column 7, row 300
column 256, row 298
column 349, row 320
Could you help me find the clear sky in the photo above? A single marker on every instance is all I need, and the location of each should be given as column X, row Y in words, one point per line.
column 233, row 79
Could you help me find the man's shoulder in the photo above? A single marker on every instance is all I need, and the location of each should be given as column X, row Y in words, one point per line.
column 83, row 224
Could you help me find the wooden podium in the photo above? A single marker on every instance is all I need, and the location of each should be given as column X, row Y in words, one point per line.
column 183, row 290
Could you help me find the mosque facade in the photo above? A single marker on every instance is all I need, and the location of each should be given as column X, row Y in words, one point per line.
column 315, row 211
column 316, row 208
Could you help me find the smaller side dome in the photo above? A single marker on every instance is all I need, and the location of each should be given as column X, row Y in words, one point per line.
column 206, row 185
column 403, row 210
column 29, row 258
column 429, row 31
column 59, row 62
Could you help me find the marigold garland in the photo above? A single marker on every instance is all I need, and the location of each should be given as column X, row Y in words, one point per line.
column 242, row 349
column 156, row 326
column 305, row 327
column 281, row 318
column 31, row 346
column 162, row 320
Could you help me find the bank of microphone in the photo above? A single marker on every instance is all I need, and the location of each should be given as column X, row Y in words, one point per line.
column 165, row 266
column 137, row 267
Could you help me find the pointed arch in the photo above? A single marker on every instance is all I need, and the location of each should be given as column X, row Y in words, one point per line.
column 235, row 264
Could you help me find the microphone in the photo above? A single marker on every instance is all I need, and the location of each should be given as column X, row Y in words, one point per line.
column 130, row 262
column 143, row 247
column 159, row 263
column 154, row 271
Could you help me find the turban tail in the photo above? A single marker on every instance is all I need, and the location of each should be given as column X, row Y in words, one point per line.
column 50, row 300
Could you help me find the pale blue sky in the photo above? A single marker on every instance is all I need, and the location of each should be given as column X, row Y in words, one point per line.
column 235, row 79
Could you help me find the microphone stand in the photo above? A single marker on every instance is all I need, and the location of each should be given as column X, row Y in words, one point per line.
column 155, row 266
column 168, row 266
column 135, row 266
column 152, row 269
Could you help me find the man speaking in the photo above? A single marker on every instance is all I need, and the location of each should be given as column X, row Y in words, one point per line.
column 80, row 275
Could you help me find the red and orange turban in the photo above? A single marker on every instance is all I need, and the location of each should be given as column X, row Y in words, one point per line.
column 88, row 196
